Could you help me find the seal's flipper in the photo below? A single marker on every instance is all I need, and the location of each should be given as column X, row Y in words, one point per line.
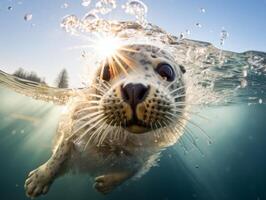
column 39, row 91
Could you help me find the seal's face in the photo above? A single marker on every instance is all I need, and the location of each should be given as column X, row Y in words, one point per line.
column 146, row 88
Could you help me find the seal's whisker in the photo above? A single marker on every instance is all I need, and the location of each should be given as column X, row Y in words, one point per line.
column 94, row 95
column 153, row 130
column 166, row 136
column 177, row 89
column 118, row 132
column 114, row 134
column 104, row 83
column 89, row 108
column 105, row 133
column 168, row 86
column 90, row 128
column 197, row 126
column 92, row 102
column 89, row 116
column 181, row 111
column 180, row 140
column 84, row 125
column 189, row 135
column 179, row 96
column 89, row 122
column 100, row 89
column 98, row 130
column 183, row 103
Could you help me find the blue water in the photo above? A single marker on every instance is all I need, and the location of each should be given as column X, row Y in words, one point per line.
column 232, row 167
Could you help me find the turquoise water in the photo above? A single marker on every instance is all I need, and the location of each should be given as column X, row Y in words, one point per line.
column 231, row 167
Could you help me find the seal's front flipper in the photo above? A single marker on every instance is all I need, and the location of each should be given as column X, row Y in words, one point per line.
column 38, row 181
column 107, row 183
column 39, row 91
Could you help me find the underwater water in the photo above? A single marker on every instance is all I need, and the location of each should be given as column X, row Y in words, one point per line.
column 231, row 167
column 226, row 95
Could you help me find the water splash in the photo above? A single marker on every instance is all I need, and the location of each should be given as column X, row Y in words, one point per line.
column 138, row 9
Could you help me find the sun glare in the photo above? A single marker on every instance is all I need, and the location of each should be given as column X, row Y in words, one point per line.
column 107, row 46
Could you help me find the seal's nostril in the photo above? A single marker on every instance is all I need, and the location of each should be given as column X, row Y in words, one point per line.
column 134, row 93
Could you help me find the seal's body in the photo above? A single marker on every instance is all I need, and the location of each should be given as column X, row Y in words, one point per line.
column 115, row 129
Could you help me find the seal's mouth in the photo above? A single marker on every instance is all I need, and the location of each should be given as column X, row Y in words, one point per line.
column 136, row 126
column 137, row 129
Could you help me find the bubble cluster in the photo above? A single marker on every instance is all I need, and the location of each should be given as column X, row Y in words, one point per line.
column 223, row 36
column 105, row 6
column 138, row 9
column 70, row 23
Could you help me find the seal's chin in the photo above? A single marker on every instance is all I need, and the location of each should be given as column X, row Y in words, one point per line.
column 136, row 129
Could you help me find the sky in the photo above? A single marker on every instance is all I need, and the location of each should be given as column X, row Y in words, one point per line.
column 42, row 46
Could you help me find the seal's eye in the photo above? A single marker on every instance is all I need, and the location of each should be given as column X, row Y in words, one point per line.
column 166, row 71
column 106, row 75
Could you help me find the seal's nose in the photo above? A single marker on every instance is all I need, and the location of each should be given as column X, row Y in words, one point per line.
column 134, row 93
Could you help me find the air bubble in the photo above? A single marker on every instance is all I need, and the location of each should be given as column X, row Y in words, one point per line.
column 65, row 5
column 245, row 73
column 198, row 25
column 89, row 18
column 10, row 8
column 260, row 101
column 202, row 10
column 28, row 17
column 86, row 3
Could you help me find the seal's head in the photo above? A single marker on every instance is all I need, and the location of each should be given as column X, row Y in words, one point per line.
column 142, row 90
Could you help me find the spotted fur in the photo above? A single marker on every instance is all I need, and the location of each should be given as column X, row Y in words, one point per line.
column 96, row 135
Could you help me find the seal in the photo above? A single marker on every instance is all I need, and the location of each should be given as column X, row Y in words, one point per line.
column 115, row 129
